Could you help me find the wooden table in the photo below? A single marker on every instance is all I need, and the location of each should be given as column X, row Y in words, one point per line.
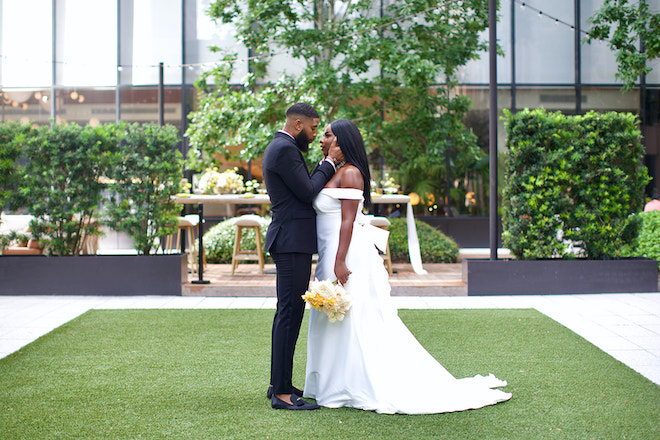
column 263, row 199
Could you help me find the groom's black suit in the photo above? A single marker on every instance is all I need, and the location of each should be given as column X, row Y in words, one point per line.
column 291, row 241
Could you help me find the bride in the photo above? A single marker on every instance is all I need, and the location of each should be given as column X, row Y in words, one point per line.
column 370, row 360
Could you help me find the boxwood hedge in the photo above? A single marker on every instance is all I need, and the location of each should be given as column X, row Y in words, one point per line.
column 435, row 247
column 571, row 184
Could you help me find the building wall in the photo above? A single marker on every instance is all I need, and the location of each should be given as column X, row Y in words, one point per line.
column 98, row 61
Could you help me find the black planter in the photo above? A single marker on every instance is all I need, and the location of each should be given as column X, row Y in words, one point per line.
column 542, row 277
column 93, row 275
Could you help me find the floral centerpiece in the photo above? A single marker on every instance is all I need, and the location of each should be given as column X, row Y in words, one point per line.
column 252, row 186
column 214, row 182
column 389, row 185
column 329, row 298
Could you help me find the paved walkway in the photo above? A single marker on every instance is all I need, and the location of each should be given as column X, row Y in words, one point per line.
column 440, row 280
column 627, row 326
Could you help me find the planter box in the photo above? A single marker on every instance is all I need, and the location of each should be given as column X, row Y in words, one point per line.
column 542, row 277
column 93, row 275
column 467, row 231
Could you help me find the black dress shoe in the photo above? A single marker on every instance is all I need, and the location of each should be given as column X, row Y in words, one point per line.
column 296, row 391
column 297, row 404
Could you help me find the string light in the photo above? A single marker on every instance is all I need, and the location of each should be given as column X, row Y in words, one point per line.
column 284, row 51
column 393, row 23
column 557, row 21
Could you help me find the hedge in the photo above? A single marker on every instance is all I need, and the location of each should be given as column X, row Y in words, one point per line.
column 435, row 247
column 218, row 241
column 648, row 240
column 572, row 182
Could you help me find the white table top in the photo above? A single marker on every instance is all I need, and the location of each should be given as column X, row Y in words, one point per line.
column 263, row 199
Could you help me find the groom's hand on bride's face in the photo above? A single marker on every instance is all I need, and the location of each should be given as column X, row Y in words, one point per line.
column 335, row 153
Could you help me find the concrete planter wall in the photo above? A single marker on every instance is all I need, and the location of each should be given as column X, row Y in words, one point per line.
column 93, row 275
column 467, row 231
column 541, row 277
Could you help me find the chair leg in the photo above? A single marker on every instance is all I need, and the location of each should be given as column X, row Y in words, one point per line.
column 190, row 236
column 388, row 259
column 237, row 248
column 260, row 253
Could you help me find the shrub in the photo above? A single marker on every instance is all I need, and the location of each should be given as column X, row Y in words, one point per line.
column 648, row 240
column 572, row 181
column 218, row 241
column 435, row 246
column 62, row 183
column 12, row 137
column 147, row 173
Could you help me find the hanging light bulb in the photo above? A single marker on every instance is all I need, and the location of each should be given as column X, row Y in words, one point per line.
column 74, row 95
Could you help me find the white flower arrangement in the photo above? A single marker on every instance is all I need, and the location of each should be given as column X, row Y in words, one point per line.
column 389, row 185
column 214, row 182
column 252, row 186
column 328, row 297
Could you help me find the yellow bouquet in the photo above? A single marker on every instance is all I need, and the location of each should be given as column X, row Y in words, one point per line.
column 328, row 297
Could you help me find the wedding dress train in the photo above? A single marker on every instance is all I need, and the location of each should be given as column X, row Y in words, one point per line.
column 370, row 360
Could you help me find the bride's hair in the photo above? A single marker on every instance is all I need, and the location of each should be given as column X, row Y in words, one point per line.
column 350, row 141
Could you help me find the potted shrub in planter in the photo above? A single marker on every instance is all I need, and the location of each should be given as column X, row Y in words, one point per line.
column 64, row 171
column 572, row 187
column 11, row 136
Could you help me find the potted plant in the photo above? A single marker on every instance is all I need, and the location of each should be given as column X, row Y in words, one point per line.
column 66, row 167
column 572, row 187
column 145, row 176
column 11, row 136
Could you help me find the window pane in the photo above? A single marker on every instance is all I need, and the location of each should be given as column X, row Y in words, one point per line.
column 86, row 42
column 156, row 31
column 477, row 71
column 201, row 33
column 598, row 61
column 140, row 104
column 25, row 105
column 545, row 48
column 25, row 43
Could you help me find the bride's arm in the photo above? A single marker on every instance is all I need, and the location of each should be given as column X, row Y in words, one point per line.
column 350, row 178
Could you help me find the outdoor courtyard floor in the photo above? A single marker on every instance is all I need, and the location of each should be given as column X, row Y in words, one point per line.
column 624, row 325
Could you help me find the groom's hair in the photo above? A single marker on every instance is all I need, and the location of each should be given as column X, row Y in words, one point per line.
column 302, row 109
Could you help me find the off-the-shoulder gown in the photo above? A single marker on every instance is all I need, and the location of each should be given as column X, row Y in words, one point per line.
column 370, row 360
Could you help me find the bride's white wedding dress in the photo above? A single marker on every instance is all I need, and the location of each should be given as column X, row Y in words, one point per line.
column 370, row 360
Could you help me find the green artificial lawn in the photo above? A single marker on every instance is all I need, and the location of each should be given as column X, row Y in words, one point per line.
column 202, row 374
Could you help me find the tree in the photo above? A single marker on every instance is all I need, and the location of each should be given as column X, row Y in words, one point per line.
column 146, row 172
column 377, row 65
column 630, row 30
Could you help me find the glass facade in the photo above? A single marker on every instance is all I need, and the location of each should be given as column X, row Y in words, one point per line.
column 96, row 62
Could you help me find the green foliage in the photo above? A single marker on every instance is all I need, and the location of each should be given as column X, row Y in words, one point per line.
column 229, row 117
column 622, row 26
column 434, row 246
column 62, row 183
column 12, row 137
column 581, row 174
column 401, row 111
column 648, row 240
column 146, row 172
column 219, row 240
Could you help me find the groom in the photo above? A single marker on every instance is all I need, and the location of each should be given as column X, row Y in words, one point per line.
column 291, row 240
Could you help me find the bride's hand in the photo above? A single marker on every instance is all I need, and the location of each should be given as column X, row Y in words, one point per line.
column 341, row 272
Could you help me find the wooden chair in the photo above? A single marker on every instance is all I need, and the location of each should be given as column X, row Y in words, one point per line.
column 384, row 223
column 247, row 222
column 187, row 226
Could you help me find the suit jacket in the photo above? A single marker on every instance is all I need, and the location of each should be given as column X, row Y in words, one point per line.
column 292, row 191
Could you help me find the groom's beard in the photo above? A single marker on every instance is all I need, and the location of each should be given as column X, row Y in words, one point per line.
column 302, row 141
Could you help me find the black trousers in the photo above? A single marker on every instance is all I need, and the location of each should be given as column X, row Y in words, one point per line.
column 293, row 273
